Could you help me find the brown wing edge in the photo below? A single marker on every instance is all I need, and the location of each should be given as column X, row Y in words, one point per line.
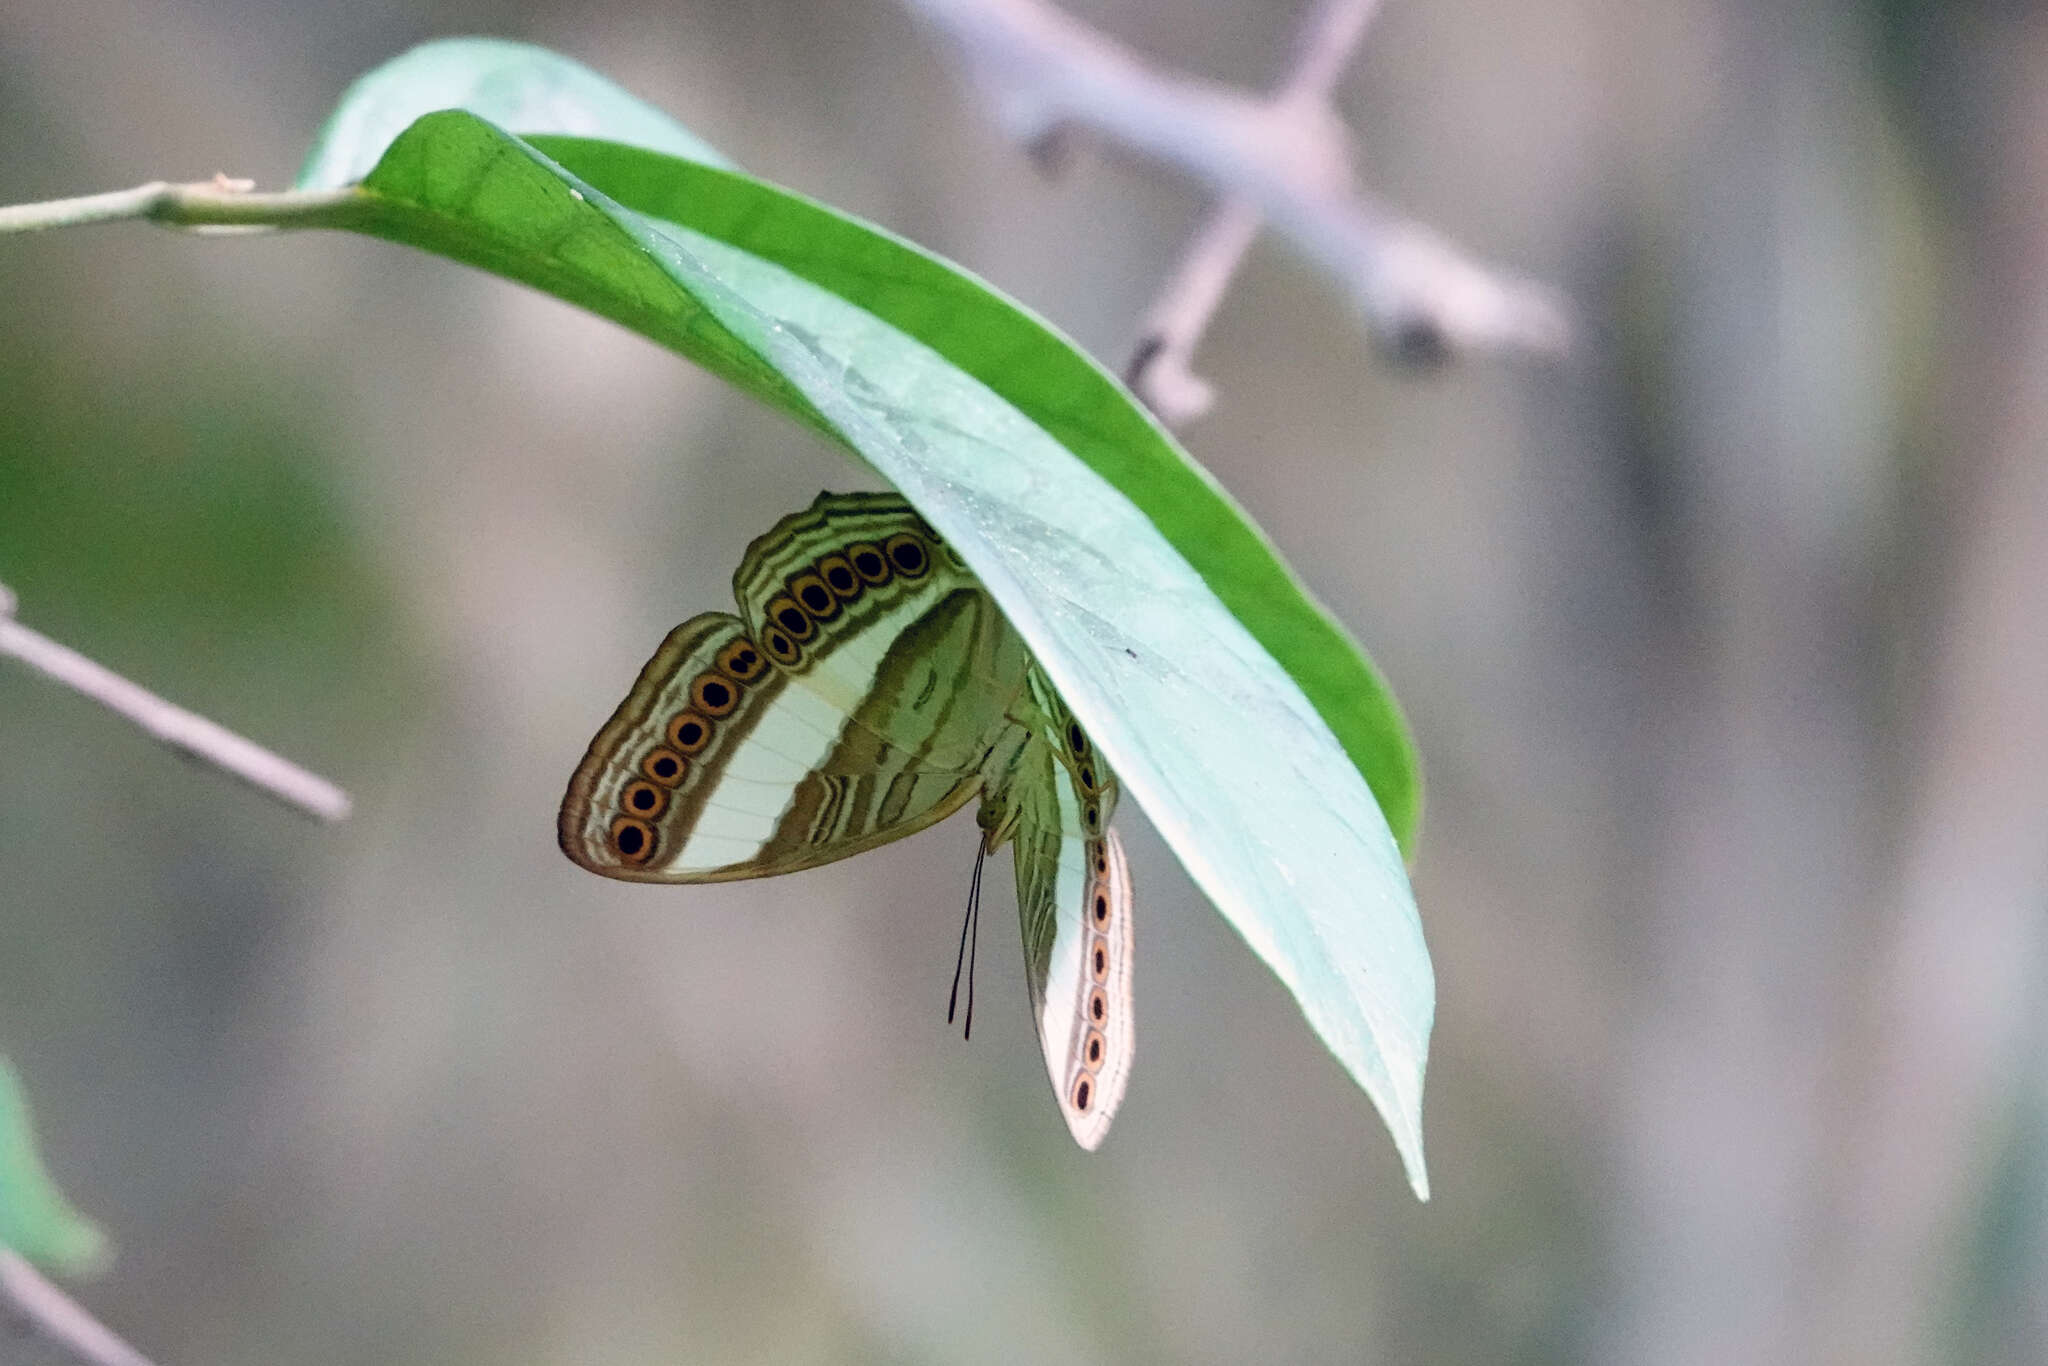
column 681, row 643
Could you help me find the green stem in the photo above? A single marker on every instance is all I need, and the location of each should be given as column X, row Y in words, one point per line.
column 204, row 204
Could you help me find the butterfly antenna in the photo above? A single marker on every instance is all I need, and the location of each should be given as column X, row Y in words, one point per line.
column 960, row 957
column 974, row 944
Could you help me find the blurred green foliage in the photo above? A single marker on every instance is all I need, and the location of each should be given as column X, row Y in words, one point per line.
column 35, row 1218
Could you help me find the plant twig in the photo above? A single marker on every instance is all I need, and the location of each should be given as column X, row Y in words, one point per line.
column 1287, row 156
column 30, row 1306
column 1161, row 370
column 172, row 725
column 222, row 204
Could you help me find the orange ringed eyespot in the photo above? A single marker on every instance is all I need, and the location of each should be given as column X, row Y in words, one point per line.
column 868, row 561
column 643, row 799
column 740, row 661
column 907, row 555
column 714, row 695
column 632, row 840
column 689, row 732
column 817, row 599
column 784, row 612
column 665, row 766
column 840, row 577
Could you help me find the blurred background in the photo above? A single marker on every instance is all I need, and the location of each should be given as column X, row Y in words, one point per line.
column 1726, row 645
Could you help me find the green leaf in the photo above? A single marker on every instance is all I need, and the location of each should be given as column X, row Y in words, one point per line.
column 1046, row 377
column 35, row 1218
column 1236, row 712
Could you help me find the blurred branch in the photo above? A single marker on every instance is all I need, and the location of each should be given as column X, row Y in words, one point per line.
column 222, row 204
column 1161, row 371
column 30, row 1306
column 1286, row 158
column 172, row 725
column 1956, row 989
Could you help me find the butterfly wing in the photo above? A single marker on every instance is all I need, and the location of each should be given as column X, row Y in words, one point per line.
column 864, row 607
column 1054, row 799
column 851, row 707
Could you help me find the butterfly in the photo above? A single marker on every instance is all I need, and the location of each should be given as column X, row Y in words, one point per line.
column 868, row 688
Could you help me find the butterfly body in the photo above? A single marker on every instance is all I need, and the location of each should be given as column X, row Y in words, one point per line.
column 868, row 689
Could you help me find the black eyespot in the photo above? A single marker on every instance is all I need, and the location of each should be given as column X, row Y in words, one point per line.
column 1095, row 1046
column 740, row 660
column 1098, row 1006
column 714, row 695
column 1084, row 1091
column 1091, row 817
column 784, row 612
column 868, row 562
column 1101, row 962
column 817, row 599
column 632, row 840
column 689, row 732
column 665, row 766
column 644, row 799
column 780, row 647
column 1077, row 739
column 839, row 574
column 907, row 553
column 1101, row 909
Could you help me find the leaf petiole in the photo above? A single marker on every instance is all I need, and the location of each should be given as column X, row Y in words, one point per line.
column 216, row 203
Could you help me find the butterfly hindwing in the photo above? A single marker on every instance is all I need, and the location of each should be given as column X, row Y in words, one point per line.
column 662, row 762
column 843, row 719
column 1054, row 800
column 862, row 605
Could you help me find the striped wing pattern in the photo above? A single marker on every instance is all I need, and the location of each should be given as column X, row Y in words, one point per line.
column 824, row 723
column 868, row 688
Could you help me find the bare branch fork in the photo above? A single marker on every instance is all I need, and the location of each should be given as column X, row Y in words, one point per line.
column 1283, row 159
column 30, row 1306
column 170, row 724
